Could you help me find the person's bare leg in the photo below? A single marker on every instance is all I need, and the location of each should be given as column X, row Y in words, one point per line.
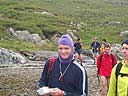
column 81, row 59
column 103, row 85
column 108, row 82
column 76, row 56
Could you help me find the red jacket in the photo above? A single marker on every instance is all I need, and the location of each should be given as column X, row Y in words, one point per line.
column 106, row 65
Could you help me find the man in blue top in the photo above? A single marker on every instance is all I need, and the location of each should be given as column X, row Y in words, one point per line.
column 95, row 46
column 62, row 79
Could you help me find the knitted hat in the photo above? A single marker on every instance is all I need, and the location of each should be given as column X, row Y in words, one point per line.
column 66, row 40
column 125, row 42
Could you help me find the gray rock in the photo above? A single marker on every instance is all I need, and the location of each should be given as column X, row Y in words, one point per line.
column 10, row 57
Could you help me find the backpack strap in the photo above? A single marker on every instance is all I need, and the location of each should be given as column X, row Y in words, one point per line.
column 123, row 74
column 118, row 68
column 117, row 72
column 112, row 57
column 50, row 67
column 101, row 55
column 51, row 64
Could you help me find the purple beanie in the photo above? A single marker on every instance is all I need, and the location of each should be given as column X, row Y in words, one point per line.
column 66, row 40
column 125, row 42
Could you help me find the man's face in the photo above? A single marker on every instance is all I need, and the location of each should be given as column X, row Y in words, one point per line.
column 107, row 50
column 64, row 51
column 125, row 51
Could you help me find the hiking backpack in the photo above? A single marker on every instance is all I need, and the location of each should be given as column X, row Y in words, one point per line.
column 117, row 73
column 111, row 58
column 101, row 55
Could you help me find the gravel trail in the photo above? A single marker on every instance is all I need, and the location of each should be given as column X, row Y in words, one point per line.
column 23, row 81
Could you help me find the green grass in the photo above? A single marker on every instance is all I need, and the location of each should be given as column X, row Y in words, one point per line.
column 93, row 15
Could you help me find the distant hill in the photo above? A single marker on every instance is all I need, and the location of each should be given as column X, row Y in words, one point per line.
column 85, row 18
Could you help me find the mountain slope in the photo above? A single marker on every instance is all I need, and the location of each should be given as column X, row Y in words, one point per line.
column 100, row 18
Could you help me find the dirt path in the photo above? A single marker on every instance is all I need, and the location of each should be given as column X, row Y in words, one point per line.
column 94, row 87
column 24, row 81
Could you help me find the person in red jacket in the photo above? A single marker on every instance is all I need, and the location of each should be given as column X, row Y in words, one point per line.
column 105, row 63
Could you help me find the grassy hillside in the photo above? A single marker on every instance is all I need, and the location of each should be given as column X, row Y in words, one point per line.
column 95, row 17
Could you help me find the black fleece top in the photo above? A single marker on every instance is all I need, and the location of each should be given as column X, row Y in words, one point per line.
column 74, row 81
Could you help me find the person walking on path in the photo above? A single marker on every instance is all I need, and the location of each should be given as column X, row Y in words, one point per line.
column 62, row 79
column 78, row 51
column 95, row 46
column 105, row 62
column 119, row 76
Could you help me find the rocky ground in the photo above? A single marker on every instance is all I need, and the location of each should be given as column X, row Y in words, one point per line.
column 23, row 81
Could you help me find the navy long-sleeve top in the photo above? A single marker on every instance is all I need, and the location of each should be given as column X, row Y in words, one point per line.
column 74, row 81
column 95, row 46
